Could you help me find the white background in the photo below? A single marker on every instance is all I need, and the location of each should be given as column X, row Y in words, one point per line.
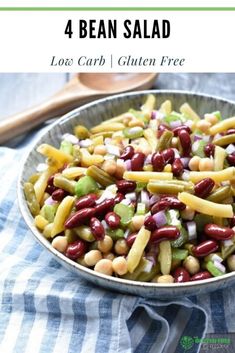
column 30, row 39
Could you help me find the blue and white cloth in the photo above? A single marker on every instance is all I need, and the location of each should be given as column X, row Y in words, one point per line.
column 47, row 309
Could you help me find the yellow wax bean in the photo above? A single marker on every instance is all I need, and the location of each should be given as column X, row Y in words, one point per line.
column 137, row 249
column 107, row 127
column 218, row 176
column 149, row 104
column 150, row 136
column 73, row 172
column 118, row 119
column 52, row 152
column 88, row 159
column 41, row 183
column 206, row 207
column 219, row 157
column 189, row 112
column 222, row 126
column 40, row 222
column 62, row 214
column 165, row 257
column 146, row 176
column 166, row 107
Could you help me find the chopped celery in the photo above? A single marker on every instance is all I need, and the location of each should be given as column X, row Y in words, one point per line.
column 173, row 117
column 133, row 132
column 218, row 115
column 179, row 254
column 139, row 115
column 183, row 238
column 48, row 212
column 227, row 250
column 172, row 217
column 140, row 186
column 141, row 209
column 115, row 234
column 66, row 147
column 213, row 269
column 125, row 212
column 199, row 148
column 201, row 220
column 85, row 185
column 148, row 276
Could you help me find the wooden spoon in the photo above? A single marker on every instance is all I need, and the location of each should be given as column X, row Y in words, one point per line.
column 82, row 88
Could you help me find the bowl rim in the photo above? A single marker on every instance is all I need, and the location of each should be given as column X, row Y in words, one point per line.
column 28, row 218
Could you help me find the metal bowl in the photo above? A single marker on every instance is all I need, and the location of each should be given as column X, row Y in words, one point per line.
column 90, row 115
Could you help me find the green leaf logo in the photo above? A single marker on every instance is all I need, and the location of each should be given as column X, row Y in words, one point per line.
column 186, row 342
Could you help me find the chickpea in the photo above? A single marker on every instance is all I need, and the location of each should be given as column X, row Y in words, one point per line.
column 109, row 256
column 100, row 149
column 92, row 257
column 155, row 278
column 174, row 142
column 206, row 164
column 203, row 125
column 167, row 168
column 120, row 265
column 211, row 118
column 121, row 247
column 148, row 168
column 106, row 244
column 104, row 266
column 191, row 264
column 165, row 279
column 81, row 261
column 188, row 213
column 60, row 243
column 137, row 222
column 109, row 166
column 194, row 163
column 127, row 117
column 231, row 262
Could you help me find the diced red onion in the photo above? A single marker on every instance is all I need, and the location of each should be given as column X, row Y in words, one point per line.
column 127, row 233
column 176, row 123
column 70, row 138
column 111, row 149
column 126, row 202
column 185, row 175
column 217, row 136
column 159, row 115
column 195, row 146
column 107, row 140
column 131, row 196
column 177, row 154
column 144, row 198
column 230, row 149
column 219, row 266
column 206, row 138
column 127, row 164
column 197, row 138
column 85, row 143
column 185, row 161
column 192, row 230
column 188, row 123
column 148, row 159
column 41, row 167
column 154, row 199
column 104, row 224
column 106, row 195
column 227, row 243
column 151, row 258
column 148, row 267
column 216, row 257
column 153, row 114
column 160, row 218
column 50, row 201
column 225, row 183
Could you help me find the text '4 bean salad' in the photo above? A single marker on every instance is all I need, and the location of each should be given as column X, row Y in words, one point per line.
column 145, row 196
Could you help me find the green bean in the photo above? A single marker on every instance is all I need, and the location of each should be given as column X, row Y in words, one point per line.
column 84, row 232
column 165, row 140
column 183, row 238
column 220, row 194
column 33, row 178
column 100, row 176
column 148, row 276
column 115, row 234
column 70, row 235
column 31, row 199
column 179, row 254
column 224, row 140
column 65, row 184
column 169, row 187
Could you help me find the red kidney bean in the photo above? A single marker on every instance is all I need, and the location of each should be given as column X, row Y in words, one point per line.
column 209, row 150
column 166, row 232
column 217, row 232
column 112, row 219
column 76, row 249
column 201, row 275
column 119, row 197
column 97, row 228
column 180, row 128
column 185, row 142
column 150, row 223
column 85, row 201
column 130, row 239
column 104, row 207
column 58, row 194
column 79, row 217
column 204, row 187
column 137, row 161
column 231, row 159
column 232, row 221
column 167, row 202
column 162, row 128
column 177, row 167
column 127, row 153
column 230, row 131
column 205, row 248
column 125, row 186
column 181, row 275
column 50, row 185
column 158, row 162
column 168, row 155
column 50, row 181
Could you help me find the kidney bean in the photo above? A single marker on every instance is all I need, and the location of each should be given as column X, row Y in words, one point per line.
column 86, row 201
column 201, row 275
column 126, row 186
column 168, row 155
column 127, row 153
column 112, row 219
column 167, row 202
column 181, row 275
column 178, row 129
column 231, row 159
column 76, row 249
column 204, row 187
column 205, row 248
column 161, row 129
column 166, row 232
column 158, row 162
column 150, row 223
column 230, row 131
column 177, row 167
column 209, row 150
column 50, row 185
column 185, row 142
column 217, row 232
column 104, row 207
column 97, row 228
column 130, row 239
column 79, row 217
column 58, row 194
column 119, row 197
column 137, row 161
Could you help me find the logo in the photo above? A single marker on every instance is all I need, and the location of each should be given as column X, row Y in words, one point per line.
column 186, row 342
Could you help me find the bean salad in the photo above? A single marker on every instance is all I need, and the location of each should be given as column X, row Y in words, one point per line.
column 147, row 195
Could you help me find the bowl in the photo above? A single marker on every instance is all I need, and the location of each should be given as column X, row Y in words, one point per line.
column 90, row 115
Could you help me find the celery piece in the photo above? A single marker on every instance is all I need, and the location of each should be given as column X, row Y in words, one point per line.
column 172, row 217
column 148, row 276
column 183, row 238
column 85, row 185
column 133, row 132
column 141, row 209
column 201, row 220
column 140, row 186
column 48, row 212
column 115, row 234
column 125, row 212
column 218, row 115
column 213, row 269
column 173, row 117
column 66, row 147
column 200, row 149
column 179, row 254
column 140, row 115
column 227, row 250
